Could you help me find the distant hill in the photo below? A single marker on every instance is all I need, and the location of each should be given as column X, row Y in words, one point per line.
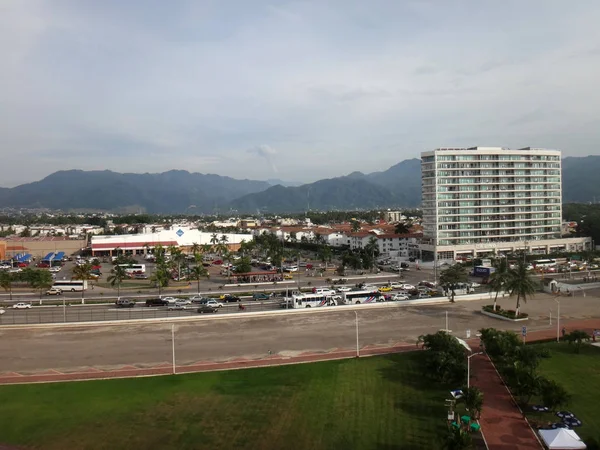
column 398, row 186
column 179, row 191
column 176, row 191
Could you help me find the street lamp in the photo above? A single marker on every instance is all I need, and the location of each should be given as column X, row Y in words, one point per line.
column 557, row 320
column 357, row 347
column 469, row 367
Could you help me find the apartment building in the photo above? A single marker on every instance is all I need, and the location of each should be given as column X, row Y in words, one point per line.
column 490, row 200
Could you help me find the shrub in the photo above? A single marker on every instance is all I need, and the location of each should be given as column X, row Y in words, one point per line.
column 508, row 313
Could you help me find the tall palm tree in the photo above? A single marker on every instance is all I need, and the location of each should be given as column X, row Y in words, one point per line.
column 224, row 240
column 195, row 248
column 214, row 239
column 197, row 273
column 82, row 272
column 521, row 284
column 325, row 255
column 499, row 279
column 116, row 277
column 355, row 226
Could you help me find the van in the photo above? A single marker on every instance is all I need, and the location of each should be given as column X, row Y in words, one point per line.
column 125, row 303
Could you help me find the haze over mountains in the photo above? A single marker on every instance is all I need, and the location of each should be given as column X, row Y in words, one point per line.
column 178, row 191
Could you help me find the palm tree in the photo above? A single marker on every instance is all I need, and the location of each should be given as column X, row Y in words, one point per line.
column 82, row 272
column 520, row 283
column 473, row 399
column 402, row 228
column 214, row 239
column 452, row 277
column 195, row 248
column 499, row 279
column 224, row 239
column 42, row 280
column 457, row 439
column 355, row 226
column 577, row 337
column 325, row 254
column 6, row 281
column 117, row 275
column 197, row 273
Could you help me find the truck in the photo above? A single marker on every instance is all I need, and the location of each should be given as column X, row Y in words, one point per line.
column 482, row 271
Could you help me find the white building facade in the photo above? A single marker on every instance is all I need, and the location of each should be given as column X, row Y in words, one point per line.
column 490, row 200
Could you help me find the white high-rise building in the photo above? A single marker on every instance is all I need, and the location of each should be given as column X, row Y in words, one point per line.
column 486, row 200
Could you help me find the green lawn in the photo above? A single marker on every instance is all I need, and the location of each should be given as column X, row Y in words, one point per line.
column 371, row 403
column 579, row 374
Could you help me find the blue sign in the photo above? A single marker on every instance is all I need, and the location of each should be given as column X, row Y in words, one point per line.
column 524, row 331
column 179, row 232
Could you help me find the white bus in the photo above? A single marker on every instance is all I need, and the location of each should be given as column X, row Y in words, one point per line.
column 134, row 268
column 313, row 300
column 70, row 285
column 361, row 297
column 544, row 263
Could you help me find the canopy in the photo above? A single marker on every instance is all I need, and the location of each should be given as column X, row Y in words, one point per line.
column 562, row 439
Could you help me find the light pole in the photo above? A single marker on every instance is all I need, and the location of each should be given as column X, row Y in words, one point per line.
column 469, row 367
column 357, row 347
column 173, row 346
column 557, row 320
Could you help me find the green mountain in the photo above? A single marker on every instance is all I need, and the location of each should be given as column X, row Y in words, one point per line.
column 176, row 191
column 179, row 191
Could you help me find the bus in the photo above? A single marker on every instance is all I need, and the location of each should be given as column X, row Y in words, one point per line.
column 70, row 285
column 313, row 300
column 134, row 268
column 362, row 297
column 544, row 263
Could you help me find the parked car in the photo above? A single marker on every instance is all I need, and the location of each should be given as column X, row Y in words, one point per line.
column 54, row 269
column 217, row 262
column 206, row 309
column 260, row 296
column 125, row 303
column 229, row 298
column 156, row 302
column 53, row 291
column 22, row 305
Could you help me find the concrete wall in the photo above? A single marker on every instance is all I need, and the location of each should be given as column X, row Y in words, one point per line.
column 41, row 247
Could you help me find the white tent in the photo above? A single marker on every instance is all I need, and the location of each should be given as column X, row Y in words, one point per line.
column 562, row 439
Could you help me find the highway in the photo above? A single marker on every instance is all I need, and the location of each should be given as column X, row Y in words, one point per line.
column 226, row 337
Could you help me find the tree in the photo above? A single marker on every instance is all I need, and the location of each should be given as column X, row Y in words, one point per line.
column 473, row 400
column 82, row 272
column 42, row 280
column 197, row 273
column 116, row 277
column 355, row 226
column 499, row 279
column 577, row 338
column 6, row 282
column 370, row 252
column 195, row 248
column 214, row 239
column 402, row 228
column 554, row 396
column 452, row 277
column 243, row 265
column 325, row 254
column 458, row 439
column 521, row 284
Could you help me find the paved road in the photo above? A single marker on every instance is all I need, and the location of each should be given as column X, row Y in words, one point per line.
column 226, row 337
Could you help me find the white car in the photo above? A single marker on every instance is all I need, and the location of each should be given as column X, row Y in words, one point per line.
column 344, row 289
column 475, row 285
column 55, row 269
column 399, row 297
column 22, row 305
column 176, row 306
column 170, row 299
column 395, row 285
column 2, row 311
column 214, row 303
column 407, row 287
column 5, row 266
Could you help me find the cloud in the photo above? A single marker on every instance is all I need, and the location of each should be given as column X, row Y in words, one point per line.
column 193, row 85
column 267, row 152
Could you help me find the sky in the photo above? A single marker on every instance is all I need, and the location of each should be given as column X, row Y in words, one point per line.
column 291, row 90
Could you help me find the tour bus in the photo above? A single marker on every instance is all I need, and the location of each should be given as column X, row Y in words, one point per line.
column 362, row 297
column 134, row 268
column 313, row 300
column 544, row 263
column 70, row 285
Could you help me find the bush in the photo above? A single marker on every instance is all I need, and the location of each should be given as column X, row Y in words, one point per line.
column 509, row 313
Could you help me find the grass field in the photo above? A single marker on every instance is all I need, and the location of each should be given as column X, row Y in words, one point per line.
column 579, row 374
column 372, row 403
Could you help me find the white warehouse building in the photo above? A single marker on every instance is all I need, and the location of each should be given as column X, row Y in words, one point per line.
column 489, row 200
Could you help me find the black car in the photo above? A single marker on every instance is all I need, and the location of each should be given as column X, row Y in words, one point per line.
column 206, row 309
column 156, row 302
column 229, row 298
column 125, row 303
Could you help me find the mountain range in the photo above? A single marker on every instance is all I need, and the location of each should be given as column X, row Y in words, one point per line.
column 179, row 191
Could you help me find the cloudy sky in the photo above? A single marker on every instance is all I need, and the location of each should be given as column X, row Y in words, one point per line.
column 296, row 90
